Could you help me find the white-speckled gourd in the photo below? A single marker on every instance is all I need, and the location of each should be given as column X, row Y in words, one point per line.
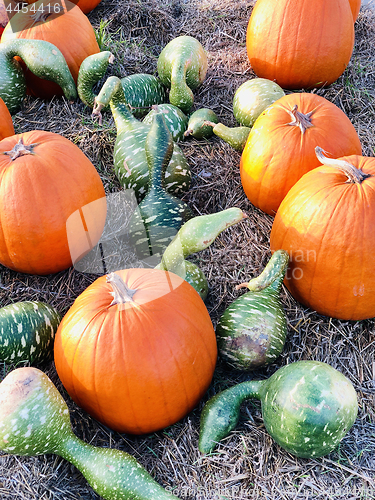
column 175, row 119
column 42, row 58
column 130, row 163
column 34, row 420
column 307, row 407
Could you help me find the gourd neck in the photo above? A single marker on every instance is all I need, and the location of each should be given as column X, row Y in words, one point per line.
column 354, row 175
column 121, row 293
column 303, row 121
column 236, row 137
column 272, row 276
column 21, row 149
column 92, row 69
column 180, row 91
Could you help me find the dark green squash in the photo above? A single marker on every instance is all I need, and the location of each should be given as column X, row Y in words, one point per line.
column 307, row 407
column 27, row 332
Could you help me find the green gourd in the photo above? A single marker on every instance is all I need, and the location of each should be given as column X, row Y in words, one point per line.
column 34, row 420
column 141, row 90
column 175, row 119
column 42, row 58
column 307, row 408
column 236, row 137
column 195, row 235
column 252, row 330
column 198, row 125
column 182, row 67
column 159, row 215
column 130, row 163
column 27, row 332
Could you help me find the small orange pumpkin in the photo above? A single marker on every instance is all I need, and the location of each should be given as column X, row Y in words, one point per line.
column 47, row 186
column 281, row 145
column 6, row 122
column 325, row 223
column 71, row 32
column 137, row 350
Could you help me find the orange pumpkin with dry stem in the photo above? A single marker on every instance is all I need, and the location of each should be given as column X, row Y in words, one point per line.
column 6, row 122
column 137, row 350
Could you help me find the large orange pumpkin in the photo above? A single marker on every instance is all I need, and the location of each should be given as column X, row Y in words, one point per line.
column 71, row 32
column 6, row 122
column 300, row 44
column 137, row 350
column 52, row 203
column 281, row 145
column 326, row 224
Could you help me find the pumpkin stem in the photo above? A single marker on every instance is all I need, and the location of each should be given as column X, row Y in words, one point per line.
column 353, row 174
column 121, row 292
column 20, row 149
column 299, row 119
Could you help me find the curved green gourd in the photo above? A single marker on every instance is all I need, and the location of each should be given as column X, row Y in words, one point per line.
column 130, row 163
column 198, row 125
column 236, row 137
column 182, row 67
column 307, row 407
column 175, row 119
column 27, row 332
column 195, row 235
column 159, row 215
column 34, row 420
column 42, row 58
column 141, row 90
column 251, row 332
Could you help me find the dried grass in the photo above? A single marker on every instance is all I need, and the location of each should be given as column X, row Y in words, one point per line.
column 247, row 464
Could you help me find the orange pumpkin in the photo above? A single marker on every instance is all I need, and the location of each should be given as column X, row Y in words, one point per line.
column 6, row 122
column 137, row 350
column 326, row 224
column 85, row 5
column 53, row 203
column 300, row 44
column 71, row 32
column 280, row 146
column 355, row 6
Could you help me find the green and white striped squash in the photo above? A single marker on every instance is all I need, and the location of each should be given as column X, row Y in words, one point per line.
column 175, row 119
column 27, row 332
column 307, row 407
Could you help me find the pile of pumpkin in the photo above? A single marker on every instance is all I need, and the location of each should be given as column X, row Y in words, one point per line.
column 137, row 350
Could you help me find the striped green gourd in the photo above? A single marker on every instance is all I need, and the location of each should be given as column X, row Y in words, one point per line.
column 35, row 420
column 141, row 90
column 159, row 215
column 201, row 123
column 194, row 236
column 252, row 330
column 41, row 58
column 27, row 332
column 307, row 408
column 130, row 163
column 182, row 67
column 175, row 119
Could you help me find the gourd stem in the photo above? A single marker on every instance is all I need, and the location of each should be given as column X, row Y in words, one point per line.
column 221, row 413
column 121, row 292
column 272, row 275
column 353, row 174
column 303, row 121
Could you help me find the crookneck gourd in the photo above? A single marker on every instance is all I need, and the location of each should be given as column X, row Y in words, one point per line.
column 201, row 123
column 195, row 235
column 42, row 58
column 141, row 90
column 236, row 137
column 182, row 67
column 307, row 407
column 252, row 330
column 35, row 420
column 159, row 215
column 130, row 161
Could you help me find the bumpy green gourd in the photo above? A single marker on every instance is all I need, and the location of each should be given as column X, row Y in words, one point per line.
column 175, row 119
column 27, row 331
column 141, row 90
column 236, row 137
column 252, row 330
column 195, row 235
column 307, row 407
column 130, row 163
column 159, row 215
column 34, row 420
column 201, row 123
column 182, row 67
column 42, row 58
